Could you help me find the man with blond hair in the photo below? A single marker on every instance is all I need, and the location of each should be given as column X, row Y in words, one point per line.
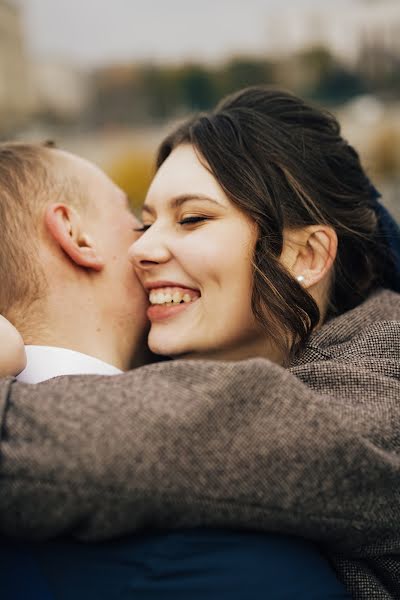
column 68, row 287
column 66, row 278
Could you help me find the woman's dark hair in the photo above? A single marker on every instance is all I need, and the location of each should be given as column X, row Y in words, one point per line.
column 285, row 164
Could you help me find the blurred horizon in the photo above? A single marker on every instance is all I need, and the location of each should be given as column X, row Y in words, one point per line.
column 107, row 79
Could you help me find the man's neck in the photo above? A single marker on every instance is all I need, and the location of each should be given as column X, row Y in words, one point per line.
column 76, row 317
column 92, row 343
column 84, row 332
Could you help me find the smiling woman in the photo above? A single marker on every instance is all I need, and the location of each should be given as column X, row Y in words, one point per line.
column 259, row 225
column 187, row 256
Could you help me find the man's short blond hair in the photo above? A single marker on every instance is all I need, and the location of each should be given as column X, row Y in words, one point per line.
column 29, row 180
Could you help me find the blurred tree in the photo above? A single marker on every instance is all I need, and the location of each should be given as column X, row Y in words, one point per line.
column 317, row 60
column 117, row 98
column 338, row 85
column 152, row 93
column 322, row 77
column 241, row 72
column 197, row 87
column 160, row 91
column 379, row 65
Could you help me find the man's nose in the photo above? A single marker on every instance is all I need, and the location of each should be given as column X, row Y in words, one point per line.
column 148, row 251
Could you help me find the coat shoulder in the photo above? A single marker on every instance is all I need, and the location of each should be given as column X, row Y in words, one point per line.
column 371, row 329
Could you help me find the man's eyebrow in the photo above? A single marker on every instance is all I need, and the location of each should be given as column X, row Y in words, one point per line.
column 177, row 201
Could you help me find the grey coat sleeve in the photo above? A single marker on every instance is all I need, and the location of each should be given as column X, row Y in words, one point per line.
column 244, row 444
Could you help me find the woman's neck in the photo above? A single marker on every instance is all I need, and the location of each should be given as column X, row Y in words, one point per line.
column 260, row 348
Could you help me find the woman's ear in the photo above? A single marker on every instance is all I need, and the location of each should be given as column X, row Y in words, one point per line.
column 64, row 225
column 309, row 253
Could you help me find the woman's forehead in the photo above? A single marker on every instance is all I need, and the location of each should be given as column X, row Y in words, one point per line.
column 183, row 174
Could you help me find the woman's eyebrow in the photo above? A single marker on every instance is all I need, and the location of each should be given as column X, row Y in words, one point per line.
column 177, row 201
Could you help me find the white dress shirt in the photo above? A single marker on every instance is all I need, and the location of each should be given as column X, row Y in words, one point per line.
column 45, row 362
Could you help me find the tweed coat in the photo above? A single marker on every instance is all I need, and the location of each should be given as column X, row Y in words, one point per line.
column 313, row 450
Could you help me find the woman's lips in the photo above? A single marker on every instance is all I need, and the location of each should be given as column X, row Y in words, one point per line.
column 160, row 312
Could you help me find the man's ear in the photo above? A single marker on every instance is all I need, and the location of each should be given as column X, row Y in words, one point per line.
column 64, row 225
column 309, row 253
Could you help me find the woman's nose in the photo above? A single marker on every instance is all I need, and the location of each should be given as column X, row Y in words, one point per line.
column 149, row 250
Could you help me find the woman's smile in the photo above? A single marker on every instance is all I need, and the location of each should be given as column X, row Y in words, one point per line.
column 194, row 259
column 167, row 301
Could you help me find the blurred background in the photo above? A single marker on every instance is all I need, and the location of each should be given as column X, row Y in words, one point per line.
column 108, row 79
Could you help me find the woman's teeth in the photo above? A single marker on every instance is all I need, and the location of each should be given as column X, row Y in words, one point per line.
column 167, row 296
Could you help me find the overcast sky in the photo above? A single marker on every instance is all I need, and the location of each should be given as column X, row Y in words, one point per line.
column 90, row 32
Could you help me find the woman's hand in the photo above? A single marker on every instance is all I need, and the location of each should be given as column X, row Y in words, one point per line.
column 12, row 349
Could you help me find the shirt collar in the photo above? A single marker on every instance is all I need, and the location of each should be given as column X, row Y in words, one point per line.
column 45, row 362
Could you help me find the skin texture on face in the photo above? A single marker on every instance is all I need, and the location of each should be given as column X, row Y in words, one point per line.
column 107, row 221
column 199, row 242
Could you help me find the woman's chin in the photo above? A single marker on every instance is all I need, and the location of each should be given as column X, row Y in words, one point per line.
column 184, row 352
column 166, row 348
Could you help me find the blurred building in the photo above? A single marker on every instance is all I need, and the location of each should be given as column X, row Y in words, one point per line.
column 16, row 96
column 62, row 91
column 345, row 28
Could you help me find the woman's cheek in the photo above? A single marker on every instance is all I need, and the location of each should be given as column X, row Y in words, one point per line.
column 202, row 259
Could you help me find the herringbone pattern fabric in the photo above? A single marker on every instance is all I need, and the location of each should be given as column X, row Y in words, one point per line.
column 313, row 450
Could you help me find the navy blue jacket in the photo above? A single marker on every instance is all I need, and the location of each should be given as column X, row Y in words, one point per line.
column 178, row 565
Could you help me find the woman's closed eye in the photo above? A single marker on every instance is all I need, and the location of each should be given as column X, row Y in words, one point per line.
column 193, row 220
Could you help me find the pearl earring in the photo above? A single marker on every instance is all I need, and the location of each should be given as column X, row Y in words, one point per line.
column 300, row 278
